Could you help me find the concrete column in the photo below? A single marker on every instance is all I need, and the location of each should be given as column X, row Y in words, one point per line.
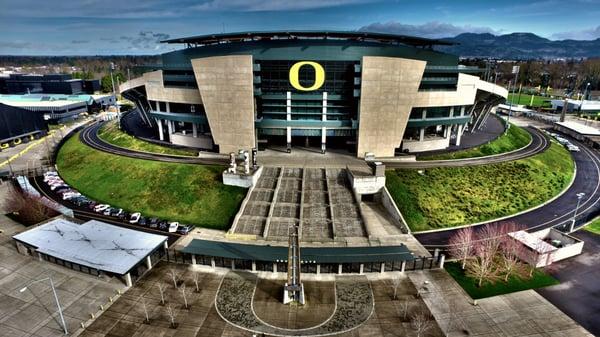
column 446, row 131
column 232, row 265
column 168, row 107
column 323, row 139
column 403, row 266
column 274, row 267
column 161, row 135
column 324, row 119
column 459, row 132
column 254, row 266
column 288, row 117
column 128, row 280
column 462, row 110
column 194, row 130
column 451, row 111
column 318, row 269
column 382, row 267
column 194, row 259
column 442, row 260
column 212, row 263
column 149, row 262
column 436, row 252
column 170, row 127
column 340, row 269
column 166, row 245
column 362, row 269
column 422, row 134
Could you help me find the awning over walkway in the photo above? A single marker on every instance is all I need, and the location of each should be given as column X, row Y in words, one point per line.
column 266, row 253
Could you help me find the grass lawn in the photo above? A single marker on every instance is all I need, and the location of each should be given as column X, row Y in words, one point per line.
column 514, row 139
column 514, row 284
column 594, row 227
column 453, row 196
column 180, row 192
column 110, row 133
column 538, row 101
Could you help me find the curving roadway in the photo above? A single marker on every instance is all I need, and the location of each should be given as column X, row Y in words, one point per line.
column 539, row 143
column 89, row 136
column 559, row 212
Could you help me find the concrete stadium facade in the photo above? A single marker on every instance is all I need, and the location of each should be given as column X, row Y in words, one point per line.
column 365, row 92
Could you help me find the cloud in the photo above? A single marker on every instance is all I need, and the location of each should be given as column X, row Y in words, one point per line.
column 80, row 41
column 145, row 40
column 273, row 5
column 584, row 34
column 16, row 44
column 434, row 29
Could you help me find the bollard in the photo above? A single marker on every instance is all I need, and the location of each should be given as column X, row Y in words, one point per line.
column 82, row 325
column 101, row 307
column 92, row 315
column 110, row 299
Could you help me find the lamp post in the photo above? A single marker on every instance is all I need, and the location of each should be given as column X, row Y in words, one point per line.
column 579, row 197
column 55, row 298
column 584, row 95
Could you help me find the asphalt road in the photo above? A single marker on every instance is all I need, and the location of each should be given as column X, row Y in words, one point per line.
column 89, row 136
column 84, row 213
column 559, row 211
column 578, row 294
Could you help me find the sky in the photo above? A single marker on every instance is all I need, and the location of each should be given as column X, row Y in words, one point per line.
column 111, row 27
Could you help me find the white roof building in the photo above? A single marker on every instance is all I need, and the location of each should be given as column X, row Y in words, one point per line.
column 93, row 244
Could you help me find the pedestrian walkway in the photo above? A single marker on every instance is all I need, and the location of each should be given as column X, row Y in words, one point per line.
column 523, row 313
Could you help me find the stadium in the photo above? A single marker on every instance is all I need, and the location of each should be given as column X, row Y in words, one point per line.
column 365, row 93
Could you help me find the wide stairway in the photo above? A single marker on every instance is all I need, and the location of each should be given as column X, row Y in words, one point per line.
column 320, row 200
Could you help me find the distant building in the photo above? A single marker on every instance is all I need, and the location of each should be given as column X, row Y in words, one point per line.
column 575, row 105
column 50, row 84
column 57, row 108
column 18, row 125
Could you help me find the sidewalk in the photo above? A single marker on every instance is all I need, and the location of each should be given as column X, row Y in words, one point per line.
column 524, row 313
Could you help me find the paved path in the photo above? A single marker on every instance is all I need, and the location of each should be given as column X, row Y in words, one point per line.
column 539, row 143
column 578, row 295
column 560, row 211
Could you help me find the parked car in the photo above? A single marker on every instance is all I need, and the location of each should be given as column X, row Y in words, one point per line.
column 70, row 195
column 101, row 208
column 142, row 221
column 184, row 229
column 116, row 212
column 124, row 216
column 573, row 148
column 163, row 225
column 173, row 226
column 57, row 186
column 92, row 205
column 153, row 222
column 135, row 217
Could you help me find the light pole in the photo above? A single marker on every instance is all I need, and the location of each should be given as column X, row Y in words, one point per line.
column 112, row 68
column 579, row 197
column 584, row 95
column 55, row 298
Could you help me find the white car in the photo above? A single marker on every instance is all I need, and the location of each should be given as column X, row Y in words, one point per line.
column 55, row 186
column 101, row 207
column 173, row 227
column 70, row 195
column 573, row 148
column 55, row 181
column 135, row 217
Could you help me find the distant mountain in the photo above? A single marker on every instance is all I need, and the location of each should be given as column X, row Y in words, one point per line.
column 519, row 46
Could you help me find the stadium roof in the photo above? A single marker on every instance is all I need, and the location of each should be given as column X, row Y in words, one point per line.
column 308, row 34
column 268, row 253
column 93, row 244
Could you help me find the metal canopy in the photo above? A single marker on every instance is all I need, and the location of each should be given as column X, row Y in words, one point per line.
column 267, row 253
column 93, row 244
column 307, row 34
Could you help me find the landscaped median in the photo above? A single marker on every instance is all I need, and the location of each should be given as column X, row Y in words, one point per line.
column 452, row 196
column 178, row 192
column 512, row 140
column 110, row 133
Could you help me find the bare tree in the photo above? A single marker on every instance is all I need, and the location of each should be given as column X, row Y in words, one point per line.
column 161, row 289
column 173, row 275
column 404, row 309
column 395, row 284
column 28, row 209
column 184, row 295
column 421, row 323
column 461, row 245
column 196, row 282
column 488, row 244
column 145, row 309
column 512, row 251
column 171, row 315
